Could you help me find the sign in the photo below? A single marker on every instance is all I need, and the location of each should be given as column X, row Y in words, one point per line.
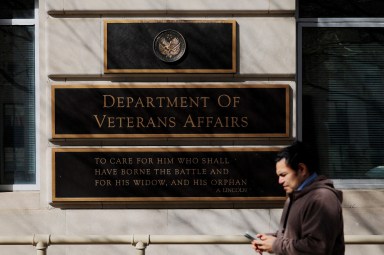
column 163, row 111
column 164, row 174
column 169, row 46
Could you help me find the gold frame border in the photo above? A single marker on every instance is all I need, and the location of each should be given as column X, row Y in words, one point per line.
column 157, row 136
column 172, row 71
column 159, row 199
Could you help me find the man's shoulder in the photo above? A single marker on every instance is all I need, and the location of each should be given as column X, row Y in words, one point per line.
column 325, row 193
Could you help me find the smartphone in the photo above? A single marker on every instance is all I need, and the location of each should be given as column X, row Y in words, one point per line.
column 251, row 236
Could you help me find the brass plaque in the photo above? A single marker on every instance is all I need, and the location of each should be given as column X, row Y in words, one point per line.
column 170, row 46
column 164, row 111
column 164, row 174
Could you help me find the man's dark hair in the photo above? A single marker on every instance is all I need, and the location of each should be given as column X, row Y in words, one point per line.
column 297, row 153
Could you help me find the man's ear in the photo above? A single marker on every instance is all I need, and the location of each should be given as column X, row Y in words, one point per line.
column 303, row 170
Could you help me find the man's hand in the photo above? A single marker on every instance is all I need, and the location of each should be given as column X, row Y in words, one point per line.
column 256, row 247
column 264, row 243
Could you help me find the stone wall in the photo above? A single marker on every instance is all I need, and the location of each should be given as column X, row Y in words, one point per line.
column 71, row 52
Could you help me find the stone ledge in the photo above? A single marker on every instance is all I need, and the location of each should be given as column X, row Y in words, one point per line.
column 20, row 200
column 168, row 6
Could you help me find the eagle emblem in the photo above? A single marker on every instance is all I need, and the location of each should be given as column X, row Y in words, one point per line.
column 169, row 46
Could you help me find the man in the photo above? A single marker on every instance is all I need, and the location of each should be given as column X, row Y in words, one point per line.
column 312, row 221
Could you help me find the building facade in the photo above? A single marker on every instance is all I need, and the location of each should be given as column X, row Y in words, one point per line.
column 329, row 58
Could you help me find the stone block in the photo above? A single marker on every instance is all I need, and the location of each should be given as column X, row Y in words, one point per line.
column 74, row 46
column 267, row 46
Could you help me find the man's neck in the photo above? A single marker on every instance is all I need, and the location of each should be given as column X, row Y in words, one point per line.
column 307, row 181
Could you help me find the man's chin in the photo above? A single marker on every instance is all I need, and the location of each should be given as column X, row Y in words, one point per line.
column 288, row 191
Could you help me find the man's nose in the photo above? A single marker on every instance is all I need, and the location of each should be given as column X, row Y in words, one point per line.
column 281, row 180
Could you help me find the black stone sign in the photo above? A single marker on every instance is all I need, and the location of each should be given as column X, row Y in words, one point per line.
column 132, row 46
column 150, row 174
column 170, row 111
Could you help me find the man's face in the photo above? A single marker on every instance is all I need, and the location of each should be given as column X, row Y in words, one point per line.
column 288, row 178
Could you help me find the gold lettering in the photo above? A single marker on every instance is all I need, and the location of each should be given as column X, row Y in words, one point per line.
column 139, row 122
column 106, row 171
column 201, row 121
column 218, row 123
column 151, row 123
column 150, row 102
column 189, row 121
column 183, row 102
column 244, row 121
column 120, row 161
column 155, row 182
column 98, row 121
column 135, row 171
column 215, row 171
column 228, row 182
column 160, row 99
column 129, row 101
column 153, row 102
column 182, row 182
column 161, row 171
column 130, row 122
column 111, row 122
column 200, row 182
column 120, row 121
column 220, row 161
column 139, row 103
column 120, row 102
column 103, row 183
column 111, row 104
column 234, row 190
column 190, row 171
column 171, row 104
column 121, row 182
